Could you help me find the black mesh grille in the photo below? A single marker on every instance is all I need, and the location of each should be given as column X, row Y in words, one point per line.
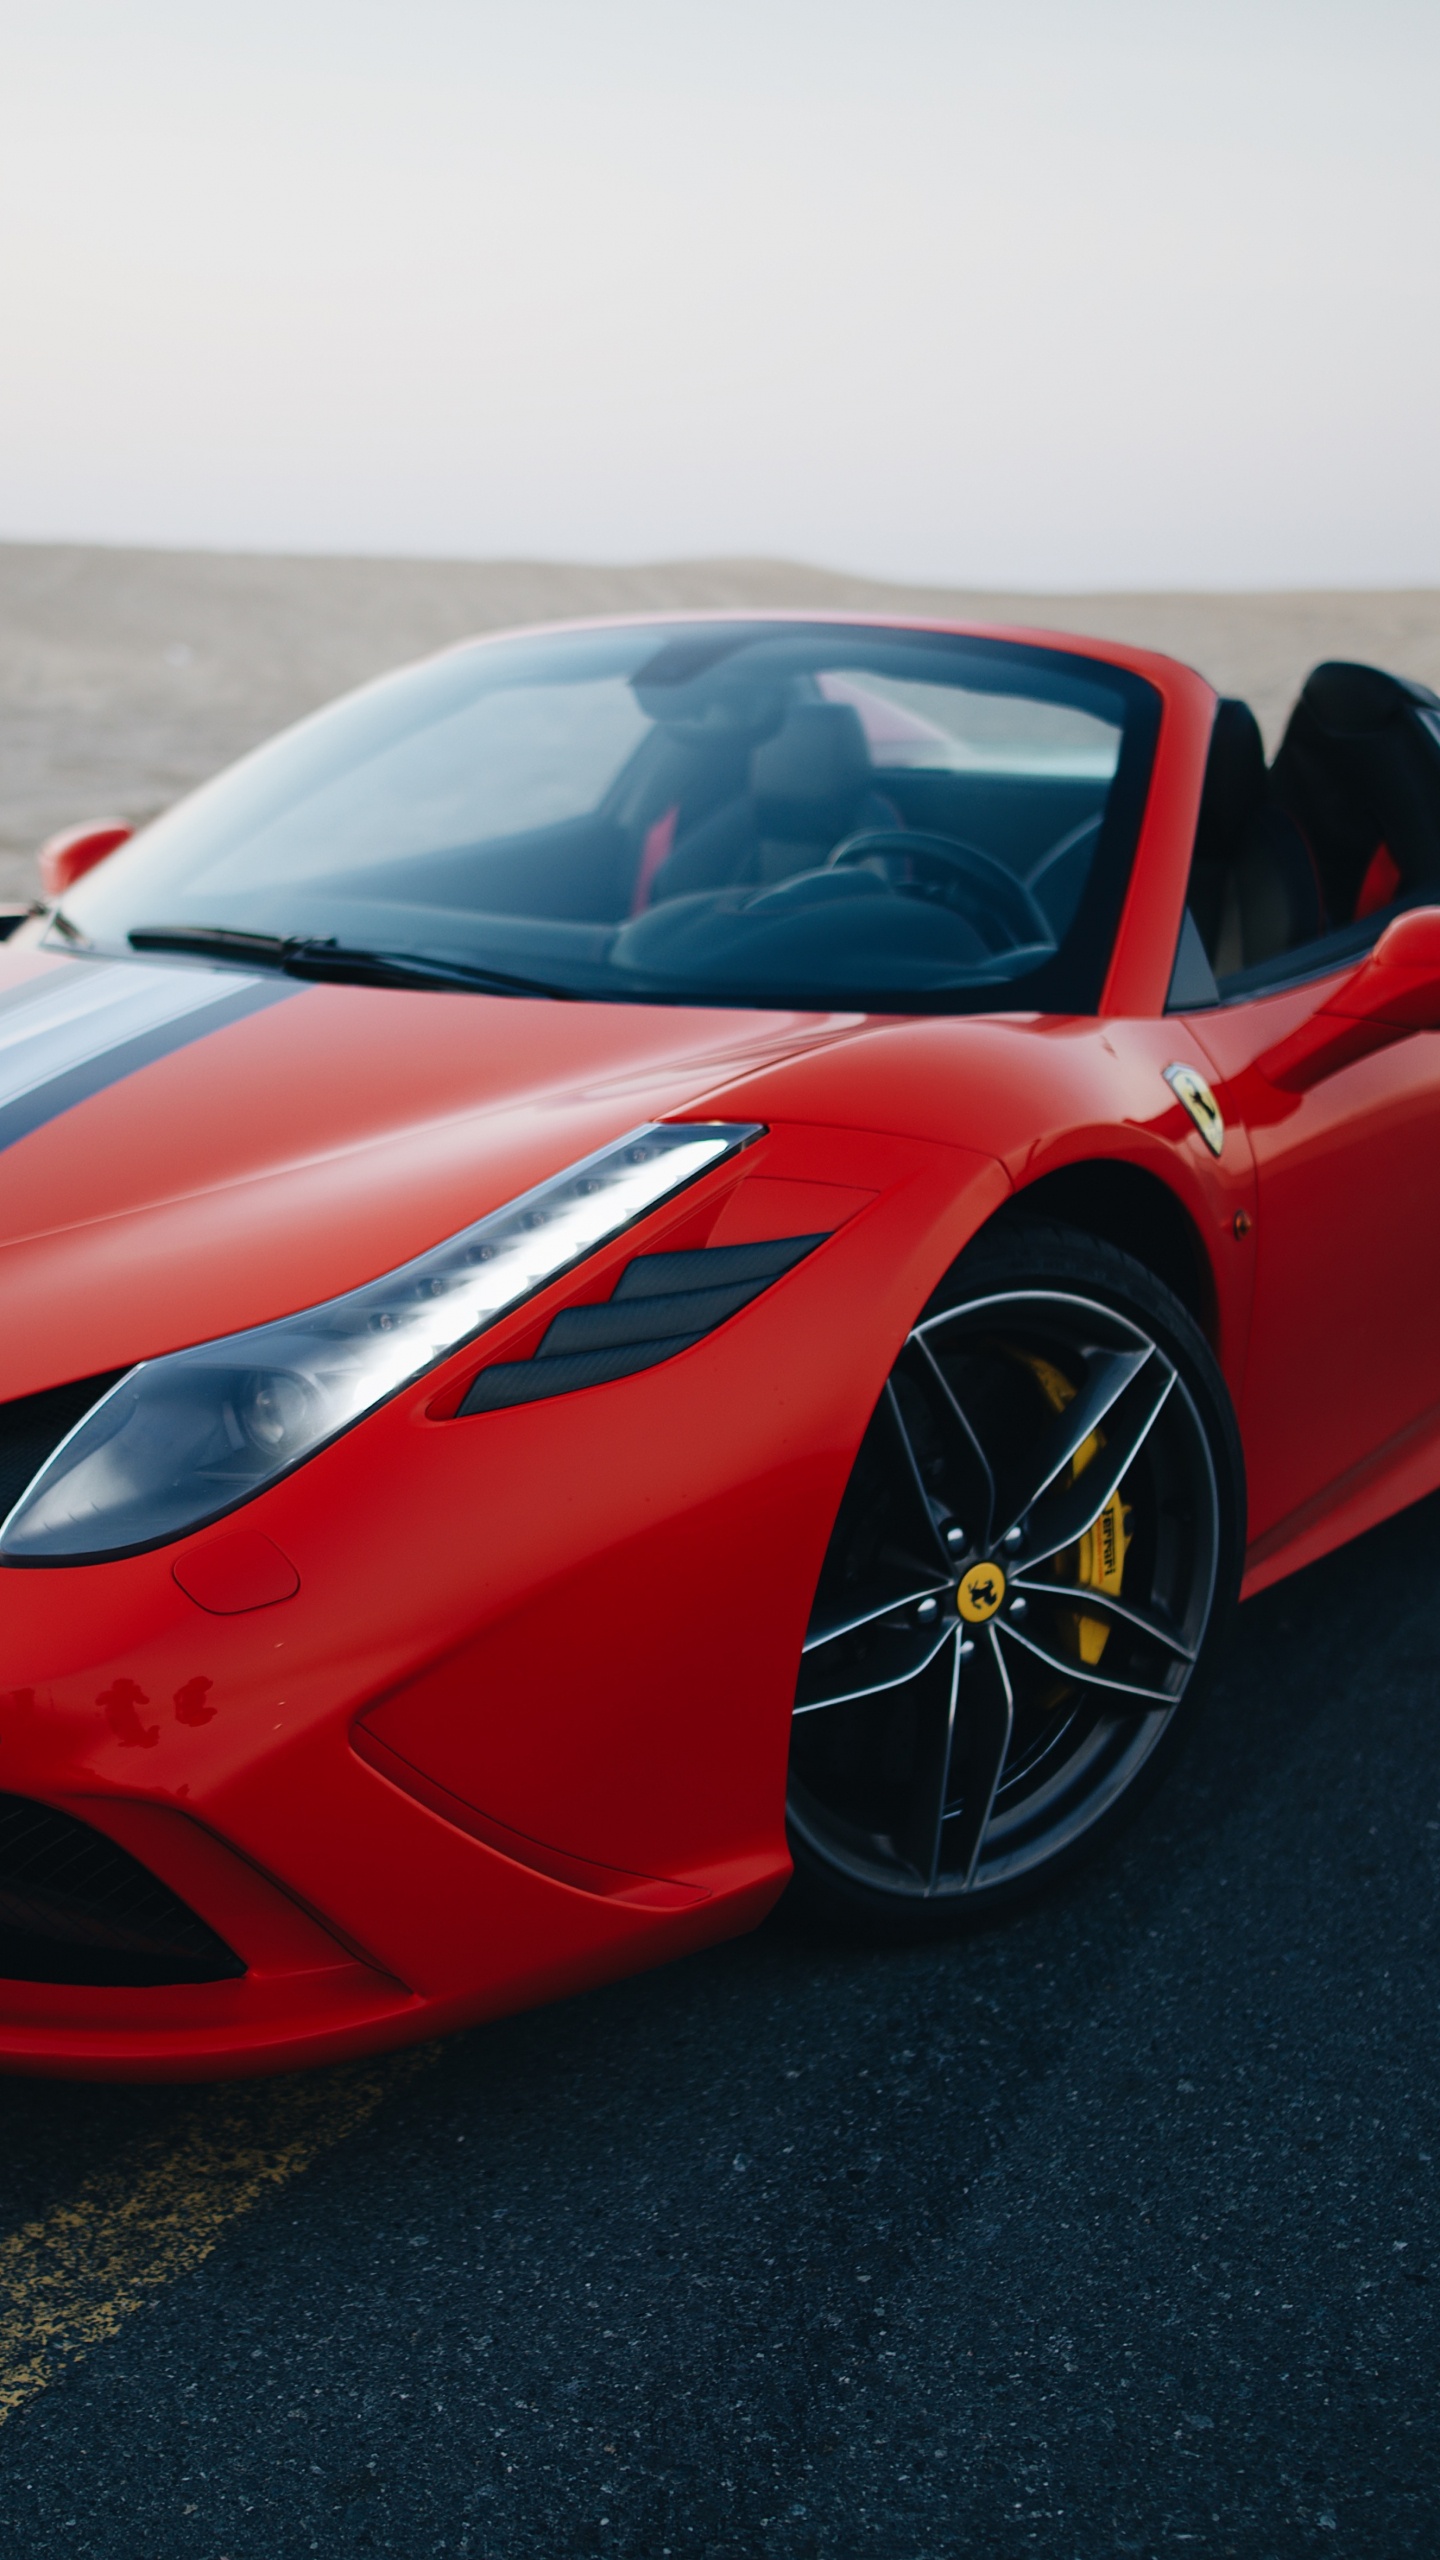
column 76, row 1908
column 662, row 1303
column 32, row 1426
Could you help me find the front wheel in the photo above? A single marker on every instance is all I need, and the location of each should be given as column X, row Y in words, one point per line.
column 1031, row 1570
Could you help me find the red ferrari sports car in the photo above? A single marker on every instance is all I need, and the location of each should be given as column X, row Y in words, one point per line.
column 659, row 1256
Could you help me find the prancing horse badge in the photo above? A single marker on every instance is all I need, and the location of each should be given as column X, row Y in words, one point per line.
column 1189, row 1086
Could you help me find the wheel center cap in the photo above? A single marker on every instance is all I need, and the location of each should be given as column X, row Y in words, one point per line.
column 981, row 1590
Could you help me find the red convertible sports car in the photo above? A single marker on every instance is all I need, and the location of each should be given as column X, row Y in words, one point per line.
column 659, row 1255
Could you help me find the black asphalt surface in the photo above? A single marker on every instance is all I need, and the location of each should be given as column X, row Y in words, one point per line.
column 1114, row 2231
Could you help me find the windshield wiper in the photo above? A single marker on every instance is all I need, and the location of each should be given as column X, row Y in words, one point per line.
column 326, row 959
column 314, row 956
column 210, row 942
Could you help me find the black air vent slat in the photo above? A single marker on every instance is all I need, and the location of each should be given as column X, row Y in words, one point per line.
column 659, row 1275
column 689, row 1311
column 532, row 1381
column 662, row 1304
column 75, row 1907
column 32, row 1428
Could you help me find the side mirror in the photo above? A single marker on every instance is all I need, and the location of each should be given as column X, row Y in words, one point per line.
column 1398, row 987
column 1395, row 991
column 76, row 850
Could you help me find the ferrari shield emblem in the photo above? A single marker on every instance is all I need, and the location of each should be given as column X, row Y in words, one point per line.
column 981, row 1591
column 1190, row 1088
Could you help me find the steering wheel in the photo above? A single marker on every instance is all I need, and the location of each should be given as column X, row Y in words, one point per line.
column 950, row 874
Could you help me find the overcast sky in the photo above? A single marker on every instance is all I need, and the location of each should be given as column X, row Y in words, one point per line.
column 1035, row 292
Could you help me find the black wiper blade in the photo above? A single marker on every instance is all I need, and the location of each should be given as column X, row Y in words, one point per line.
column 317, row 959
column 210, row 942
column 307, row 956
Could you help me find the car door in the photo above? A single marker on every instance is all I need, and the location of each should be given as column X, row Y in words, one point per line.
column 1342, row 1379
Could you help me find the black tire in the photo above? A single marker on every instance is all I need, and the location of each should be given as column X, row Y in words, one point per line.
column 1017, row 1617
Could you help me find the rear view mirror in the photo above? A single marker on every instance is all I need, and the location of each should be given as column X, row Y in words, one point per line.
column 1395, row 990
column 68, row 856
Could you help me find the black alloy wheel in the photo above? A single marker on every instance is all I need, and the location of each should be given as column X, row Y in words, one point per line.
column 1030, row 1573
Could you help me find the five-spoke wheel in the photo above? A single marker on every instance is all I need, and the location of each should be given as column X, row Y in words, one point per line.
column 1040, row 1537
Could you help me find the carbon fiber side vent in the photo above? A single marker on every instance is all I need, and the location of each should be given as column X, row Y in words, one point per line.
column 662, row 1303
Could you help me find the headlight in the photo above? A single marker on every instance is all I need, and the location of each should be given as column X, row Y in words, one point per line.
column 182, row 1439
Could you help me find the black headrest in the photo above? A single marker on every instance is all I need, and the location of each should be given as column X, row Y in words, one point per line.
column 1234, row 781
column 1359, row 765
column 817, row 762
column 1351, row 701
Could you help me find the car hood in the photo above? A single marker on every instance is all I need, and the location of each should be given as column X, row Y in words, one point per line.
column 188, row 1149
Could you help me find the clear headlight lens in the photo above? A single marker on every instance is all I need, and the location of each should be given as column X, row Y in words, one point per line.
column 189, row 1436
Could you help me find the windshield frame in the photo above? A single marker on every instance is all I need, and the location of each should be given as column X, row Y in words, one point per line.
column 1071, row 978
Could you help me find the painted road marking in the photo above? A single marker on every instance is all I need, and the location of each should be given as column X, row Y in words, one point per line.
column 72, row 2280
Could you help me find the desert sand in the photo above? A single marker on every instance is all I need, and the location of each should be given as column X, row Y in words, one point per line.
column 127, row 676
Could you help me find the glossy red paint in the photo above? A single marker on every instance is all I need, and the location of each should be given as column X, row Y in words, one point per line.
column 1394, row 992
column 67, row 857
column 234, row 1570
column 468, row 1713
column 1337, row 1204
column 311, row 1147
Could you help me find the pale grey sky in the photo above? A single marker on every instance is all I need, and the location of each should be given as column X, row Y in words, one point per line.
column 1121, row 292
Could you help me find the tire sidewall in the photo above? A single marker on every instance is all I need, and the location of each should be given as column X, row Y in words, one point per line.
column 1014, row 1255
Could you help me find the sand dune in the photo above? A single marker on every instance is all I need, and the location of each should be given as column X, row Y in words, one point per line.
column 127, row 676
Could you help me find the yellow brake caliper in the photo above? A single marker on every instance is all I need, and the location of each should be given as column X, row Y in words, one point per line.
column 1100, row 1553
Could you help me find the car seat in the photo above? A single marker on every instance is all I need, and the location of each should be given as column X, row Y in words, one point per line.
column 1359, row 772
column 809, row 788
column 1254, row 892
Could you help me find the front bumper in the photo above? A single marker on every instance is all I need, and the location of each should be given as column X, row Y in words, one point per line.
column 523, row 1726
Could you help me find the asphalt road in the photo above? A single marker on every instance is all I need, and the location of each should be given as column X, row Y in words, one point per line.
column 1111, row 2232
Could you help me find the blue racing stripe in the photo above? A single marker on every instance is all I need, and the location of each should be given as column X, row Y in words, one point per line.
column 89, row 1023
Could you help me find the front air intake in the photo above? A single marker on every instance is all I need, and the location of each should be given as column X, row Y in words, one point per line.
column 75, row 1907
column 662, row 1303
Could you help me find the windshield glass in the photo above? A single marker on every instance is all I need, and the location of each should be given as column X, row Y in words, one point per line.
column 773, row 813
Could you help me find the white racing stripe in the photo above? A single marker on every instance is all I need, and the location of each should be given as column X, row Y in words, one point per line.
column 78, row 1012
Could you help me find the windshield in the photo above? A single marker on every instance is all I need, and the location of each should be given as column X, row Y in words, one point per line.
column 776, row 813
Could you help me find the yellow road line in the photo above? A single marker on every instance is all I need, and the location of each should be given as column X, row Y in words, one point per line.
column 71, row 2280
